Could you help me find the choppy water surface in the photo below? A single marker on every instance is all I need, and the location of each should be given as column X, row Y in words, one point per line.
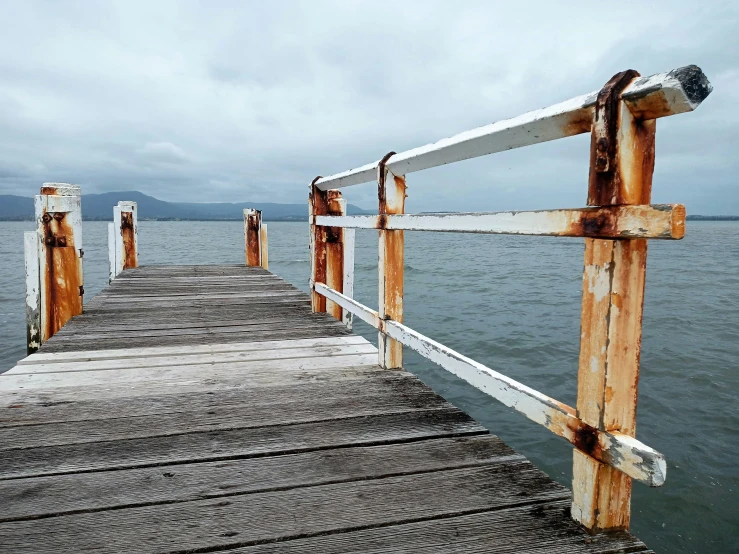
column 513, row 303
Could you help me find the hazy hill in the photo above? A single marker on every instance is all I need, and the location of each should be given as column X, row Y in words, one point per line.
column 100, row 207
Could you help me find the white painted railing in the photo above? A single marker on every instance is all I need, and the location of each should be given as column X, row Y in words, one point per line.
column 617, row 220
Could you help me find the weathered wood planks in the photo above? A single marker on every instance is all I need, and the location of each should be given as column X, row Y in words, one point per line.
column 273, row 430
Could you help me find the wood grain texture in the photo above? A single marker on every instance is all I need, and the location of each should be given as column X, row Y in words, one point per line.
column 42, row 408
column 497, row 531
column 44, row 496
column 202, row 409
column 621, row 167
column 281, row 515
column 235, row 443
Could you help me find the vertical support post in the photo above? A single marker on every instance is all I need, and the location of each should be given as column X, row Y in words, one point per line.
column 253, row 237
column 112, row 262
column 391, row 193
column 264, row 245
column 317, row 205
column 327, row 248
column 621, row 167
column 58, row 212
column 349, row 235
column 33, row 291
column 125, row 221
column 335, row 252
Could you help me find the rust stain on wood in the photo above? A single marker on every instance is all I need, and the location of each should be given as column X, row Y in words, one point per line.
column 622, row 149
column 622, row 163
column 130, row 257
column 391, row 197
column 63, row 280
column 318, row 205
column 253, row 239
column 49, row 190
column 578, row 122
column 678, row 221
column 381, row 190
column 334, row 251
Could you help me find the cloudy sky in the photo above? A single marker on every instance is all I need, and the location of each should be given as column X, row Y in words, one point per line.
column 248, row 101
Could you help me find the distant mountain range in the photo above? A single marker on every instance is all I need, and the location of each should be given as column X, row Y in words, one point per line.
column 100, row 207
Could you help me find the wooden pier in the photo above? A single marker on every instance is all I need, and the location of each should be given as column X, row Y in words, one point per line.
column 205, row 408
column 218, row 408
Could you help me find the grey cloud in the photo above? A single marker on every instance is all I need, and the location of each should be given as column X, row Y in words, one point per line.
column 162, row 153
column 251, row 100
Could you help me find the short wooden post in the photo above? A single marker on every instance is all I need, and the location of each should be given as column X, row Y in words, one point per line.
column 264, row 247
column 123, row 239
column 253, row 237
column 317, row 205
column 621, row 167
column 59, row 253
column 391, row 191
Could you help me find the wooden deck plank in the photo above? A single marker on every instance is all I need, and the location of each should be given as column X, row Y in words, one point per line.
column 92, row 407
column 44, row 496
column 278, row 324
column 207, row 384
column 280, row 408
column 199, row 359
column 195, row 349
column 280, row 515
column 499, row 531
column 205, row 409
column 277, row 369
column 236, row 443
column 57, row 344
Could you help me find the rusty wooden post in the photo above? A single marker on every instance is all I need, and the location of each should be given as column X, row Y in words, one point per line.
column 317, row 205
column 621, row 167
column 60, row 277
column 264, row 246
column 123, row 239
column 327, row 250
column 391, row 194
column 335, row 252
column 253, row 237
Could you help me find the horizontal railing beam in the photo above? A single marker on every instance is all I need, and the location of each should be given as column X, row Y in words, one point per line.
column 659, row 221
column 622, row 452
column 678, row 91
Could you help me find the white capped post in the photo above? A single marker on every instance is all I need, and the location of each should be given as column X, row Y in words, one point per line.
column 58, row 212
column 123, row 250
column 253, row 237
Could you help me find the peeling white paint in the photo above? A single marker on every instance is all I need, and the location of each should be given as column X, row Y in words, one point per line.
column 598, row 280
column 594, row 367
column 656, row 221
column 530, row 128
column 625, row 453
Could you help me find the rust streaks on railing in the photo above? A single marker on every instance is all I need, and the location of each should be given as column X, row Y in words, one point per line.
column 615, row 226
